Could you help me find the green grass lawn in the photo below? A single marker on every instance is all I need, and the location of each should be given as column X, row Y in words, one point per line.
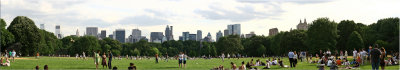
column 203, row 64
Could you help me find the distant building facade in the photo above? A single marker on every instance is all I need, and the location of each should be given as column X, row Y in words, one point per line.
column 156, row 37
column 273, row 31
column 234, row 29
column 218, row 35
column 302, row 25
column 103, row 34
column 168, row 33
column 119, row 35
column 92, row 31
column 199, row 35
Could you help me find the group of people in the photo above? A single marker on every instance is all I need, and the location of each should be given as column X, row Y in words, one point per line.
column 4, row 61
column 45, row 67
column 182, row 60
column 103, row 59
column 374, row 55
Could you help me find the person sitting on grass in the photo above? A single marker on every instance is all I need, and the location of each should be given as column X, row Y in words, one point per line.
column 132, row 66
column 115, row 68
column 7, row 63
column 267, row 65
column 248, row 65
column 243, row 67
column 37, row 67
column 281, row 62
column 338, row 62
column 234, row 67
column 46, row 67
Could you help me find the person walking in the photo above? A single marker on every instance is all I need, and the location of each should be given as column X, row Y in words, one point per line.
column 291, row 60
column 223, row 56
column 375, row 57
column 110, row 56
column 166, row 57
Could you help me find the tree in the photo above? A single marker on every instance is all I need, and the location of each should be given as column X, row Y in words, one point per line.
column 354, row 41
column 230, row 44
column 26, row 33
column 6, row 37
column 135, row 52
column 88, row 44
column 345, row 28
column 67, row 43
column 322, row 35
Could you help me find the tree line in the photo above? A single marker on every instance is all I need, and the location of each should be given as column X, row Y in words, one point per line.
column 23, row 36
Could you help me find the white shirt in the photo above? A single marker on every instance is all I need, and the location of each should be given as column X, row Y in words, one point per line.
column 329, row 63
column 354, row 53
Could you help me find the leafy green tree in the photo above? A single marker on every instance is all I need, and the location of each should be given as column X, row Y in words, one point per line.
column 6, row 37
column 229, row 44
column 322, row 34
column 67, row 43
column 345, row 28
column 27, row 34
column 355, row 41
column 135, row 52
column 88, row 44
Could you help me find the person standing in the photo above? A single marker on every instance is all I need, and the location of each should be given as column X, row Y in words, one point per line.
column 185, row 57
column 180, row 60
column 223, row 56
column 156, row 58
column 375, row 57
column 354, row 53
column 13, row 55
column 382, row 59
column 97, row 59
column 104, row 60
column 84, row 55
column 291, row 60
column 166, row 57
column 110, row 56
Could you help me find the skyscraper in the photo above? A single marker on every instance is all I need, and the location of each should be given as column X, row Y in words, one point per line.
column 92, row 31
column 273, row 31
column 226, row 32
column 42, row 26
column 199, row 35
column 120, row 35
column 192, row 37
column 156, row 37
column 168, row 33
column 218, row 35
column 208, row 38
column 103, row 34
column 185, row 36
column 234, row 29
column 77, row 32
column 57, row 32
column 136, row 35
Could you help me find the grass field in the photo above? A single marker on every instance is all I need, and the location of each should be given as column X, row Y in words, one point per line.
column 202, row 64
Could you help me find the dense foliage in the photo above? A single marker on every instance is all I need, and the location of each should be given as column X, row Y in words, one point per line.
column 23, row 36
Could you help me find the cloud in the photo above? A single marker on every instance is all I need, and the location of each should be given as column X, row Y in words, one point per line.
column 285, row 1
column 143, row 20
column 245, row 13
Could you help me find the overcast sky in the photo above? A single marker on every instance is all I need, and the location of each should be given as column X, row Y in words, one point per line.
column 192, row 15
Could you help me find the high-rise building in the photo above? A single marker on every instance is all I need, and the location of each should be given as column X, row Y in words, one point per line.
column 136, row 35
column 199, row 35
column 226, row 32
column 302, row 26
column 119, row 35
column 156, row 37
column 92, row 31
column 185, row 36
column 234, row 29
column 251, row 34
column 103, row 34
column 192, row 37
column 77, row 33
column 111, row 36
column 42, row 26
column 218, row 35
column 273, row 31
column 181, row 38
column 168, row 33
column 58, row 32
column 208, row 38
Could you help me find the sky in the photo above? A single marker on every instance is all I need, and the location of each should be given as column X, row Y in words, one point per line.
column 191, row 15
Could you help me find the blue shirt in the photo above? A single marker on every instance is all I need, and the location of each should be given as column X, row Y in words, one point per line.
column 291, row 54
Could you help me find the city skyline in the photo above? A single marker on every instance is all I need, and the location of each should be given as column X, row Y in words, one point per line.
column 208, row 16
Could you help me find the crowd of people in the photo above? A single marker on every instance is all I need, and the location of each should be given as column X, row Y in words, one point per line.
column 5, row 61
